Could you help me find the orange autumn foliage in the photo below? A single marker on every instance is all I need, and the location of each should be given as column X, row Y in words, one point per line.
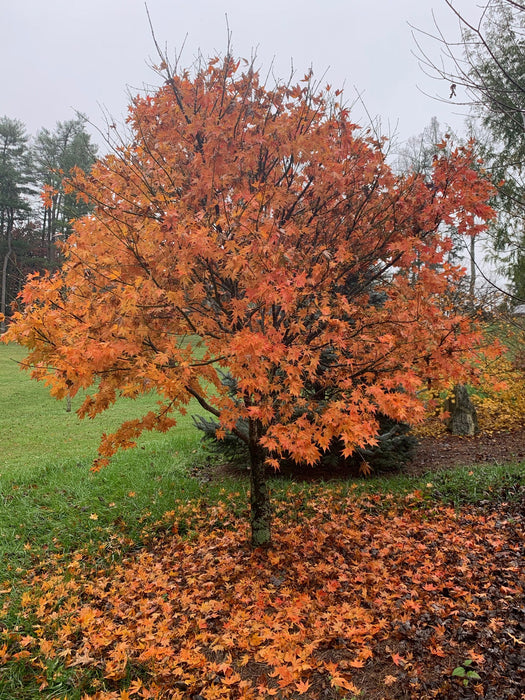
column 256, row 229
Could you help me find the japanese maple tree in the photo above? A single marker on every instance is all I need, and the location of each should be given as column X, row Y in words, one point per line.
column 256, row 229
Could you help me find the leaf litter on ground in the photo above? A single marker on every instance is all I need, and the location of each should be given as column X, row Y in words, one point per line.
column 375, row 594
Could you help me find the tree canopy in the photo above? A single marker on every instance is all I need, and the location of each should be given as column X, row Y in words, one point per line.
column 257, row 229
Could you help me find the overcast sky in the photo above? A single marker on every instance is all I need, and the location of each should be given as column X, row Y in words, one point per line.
column 59, row 56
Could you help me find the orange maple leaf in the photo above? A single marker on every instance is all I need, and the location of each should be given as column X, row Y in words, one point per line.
column 302, row 686
column 398, row 660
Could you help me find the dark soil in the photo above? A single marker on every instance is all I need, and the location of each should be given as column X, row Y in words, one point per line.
column 452, row 451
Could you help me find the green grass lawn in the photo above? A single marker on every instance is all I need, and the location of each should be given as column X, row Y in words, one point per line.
column 35, row 427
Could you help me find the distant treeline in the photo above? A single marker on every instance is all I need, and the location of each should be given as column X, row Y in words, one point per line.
column 29, row 166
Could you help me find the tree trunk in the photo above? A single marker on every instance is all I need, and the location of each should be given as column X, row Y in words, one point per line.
column 472, row 284
column 3, row 295
column 260, row 513
column 51, row 232
column 463, row 419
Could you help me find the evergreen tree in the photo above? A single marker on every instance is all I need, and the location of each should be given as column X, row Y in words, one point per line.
column 15, row 191
column 56, row 153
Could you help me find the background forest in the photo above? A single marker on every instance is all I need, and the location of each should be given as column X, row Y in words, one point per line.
column 29, row 166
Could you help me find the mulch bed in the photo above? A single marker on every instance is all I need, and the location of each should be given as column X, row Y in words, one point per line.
column 453, row 450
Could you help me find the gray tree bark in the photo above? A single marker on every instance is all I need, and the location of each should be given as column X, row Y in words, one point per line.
column 463, row 419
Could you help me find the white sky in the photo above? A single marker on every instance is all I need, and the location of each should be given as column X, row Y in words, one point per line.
column 59, row 56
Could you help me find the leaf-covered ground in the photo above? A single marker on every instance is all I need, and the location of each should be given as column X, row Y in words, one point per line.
column 376, row 597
